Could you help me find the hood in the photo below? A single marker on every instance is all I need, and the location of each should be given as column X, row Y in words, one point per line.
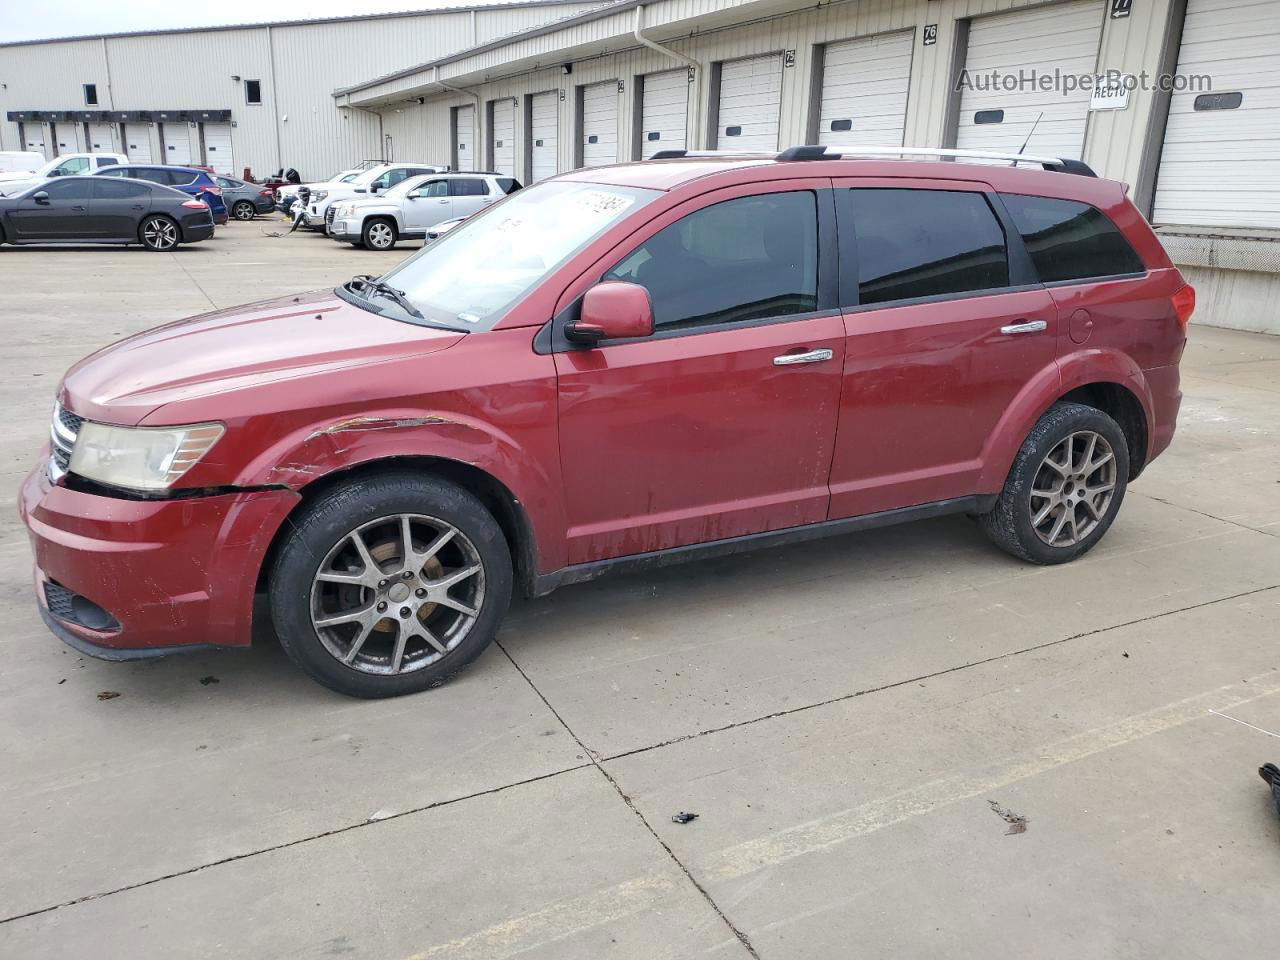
column 238, row 349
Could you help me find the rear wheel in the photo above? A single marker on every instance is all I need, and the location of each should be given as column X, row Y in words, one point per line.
column 390, row 585
column 379, row 234
column 1064, row 488
column 243, row 210
column 159, row 233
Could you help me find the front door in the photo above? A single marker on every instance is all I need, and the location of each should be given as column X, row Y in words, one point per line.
column 943, row 334
column 722, row 423
column 427, row 205
column 63, row 215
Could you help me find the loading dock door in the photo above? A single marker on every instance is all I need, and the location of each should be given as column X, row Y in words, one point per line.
column 137, row 142
column 750, row 103
column 600, row 123
column 33, row 139
column 664, row 112
column 1220, row 164
column 544, row 130
column 464, row 148
column 864, row 91
column 503, row 136
column 100, row 138
column 176, row 139
column 1062, row 37
column 217, row 148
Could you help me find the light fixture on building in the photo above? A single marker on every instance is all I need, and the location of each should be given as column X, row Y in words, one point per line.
column 567, row 68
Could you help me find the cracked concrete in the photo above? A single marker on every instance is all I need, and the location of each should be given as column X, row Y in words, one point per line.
column 842, row 715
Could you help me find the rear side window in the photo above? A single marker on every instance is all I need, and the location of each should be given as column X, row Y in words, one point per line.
column 1069, row 240
column 155, row 176
column 106, row 161
column 746, row 259
column 468, row 187
column 119, row 189
column 926, row 243
column 508, row 185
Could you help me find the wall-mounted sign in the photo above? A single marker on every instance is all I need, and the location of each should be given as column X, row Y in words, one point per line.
column 1110, row 91
column 788, row 58
column 1120, row 8
column 930, row 34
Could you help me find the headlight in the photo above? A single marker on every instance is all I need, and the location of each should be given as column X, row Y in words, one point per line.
column 140, row 458
column 321, row 195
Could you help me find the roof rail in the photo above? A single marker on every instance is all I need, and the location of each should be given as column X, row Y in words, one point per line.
column 819, row 152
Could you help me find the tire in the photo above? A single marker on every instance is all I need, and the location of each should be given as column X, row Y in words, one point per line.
column 243, row 210
column 1044, row 485
column 159, row 233
column 325, row 598
column 379, row 233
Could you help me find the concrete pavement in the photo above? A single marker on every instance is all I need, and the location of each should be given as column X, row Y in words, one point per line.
column 840, row 714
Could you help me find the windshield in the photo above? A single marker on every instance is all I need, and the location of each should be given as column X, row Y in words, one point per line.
column 347, row 177
column 469, row 277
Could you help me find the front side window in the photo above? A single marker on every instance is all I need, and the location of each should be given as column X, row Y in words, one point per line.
column 925, row 243
column 73, row 166
column 746, row 259
column 1069, row 240
column 76, row 189
column 434, row 188
column 468, row 278
column 468, row 187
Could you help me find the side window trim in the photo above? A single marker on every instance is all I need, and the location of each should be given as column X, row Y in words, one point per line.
column 827, row 290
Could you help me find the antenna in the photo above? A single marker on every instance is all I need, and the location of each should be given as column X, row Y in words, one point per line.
column 1030, row 133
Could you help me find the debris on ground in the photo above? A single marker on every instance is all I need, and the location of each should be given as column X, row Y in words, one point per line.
column 205, row 681
column 1271, row 773
column 1017, row 823
column 683, row 817
column 108, row 695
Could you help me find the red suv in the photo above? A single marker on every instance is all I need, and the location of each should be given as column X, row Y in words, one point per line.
column 619, row 367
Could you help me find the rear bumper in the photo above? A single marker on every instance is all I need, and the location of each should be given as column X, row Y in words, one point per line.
column 197, row 228
column 1165, row 384
column 171, row 574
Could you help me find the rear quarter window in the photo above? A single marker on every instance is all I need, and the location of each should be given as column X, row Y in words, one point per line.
column 1069, row 240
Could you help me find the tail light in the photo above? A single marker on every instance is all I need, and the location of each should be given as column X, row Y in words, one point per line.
column 1184, row 304
column 216, row 191
column 194, row 204
column 268, row 192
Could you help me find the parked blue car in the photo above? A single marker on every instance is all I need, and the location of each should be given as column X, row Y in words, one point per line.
column 198, row 183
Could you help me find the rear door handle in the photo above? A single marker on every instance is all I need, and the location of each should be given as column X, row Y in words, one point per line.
column 1031, row 326
column 813, row 356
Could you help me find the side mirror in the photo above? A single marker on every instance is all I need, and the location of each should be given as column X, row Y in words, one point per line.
column 55, row 172
column 613, row 310
column 373, row 187
column 41, row 197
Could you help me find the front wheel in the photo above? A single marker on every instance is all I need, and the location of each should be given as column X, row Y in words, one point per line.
column 379, row 235
column 390, row 585
column 243, row 210
column 1064, row 488
column 159, row 234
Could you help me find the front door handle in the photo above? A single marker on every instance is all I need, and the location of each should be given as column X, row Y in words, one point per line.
column 813, row 356
column 1031, row 326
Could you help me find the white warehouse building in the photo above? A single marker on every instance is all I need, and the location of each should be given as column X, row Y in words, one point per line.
column 534, row 89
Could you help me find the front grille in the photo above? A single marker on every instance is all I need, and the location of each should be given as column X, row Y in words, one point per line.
column 62, row 440
column 328, row 216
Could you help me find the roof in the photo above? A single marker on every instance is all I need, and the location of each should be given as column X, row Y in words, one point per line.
column 344, row 18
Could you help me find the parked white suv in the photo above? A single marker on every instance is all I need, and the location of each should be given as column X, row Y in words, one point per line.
column 374, row 180
column 67, row 165
column 409, row 210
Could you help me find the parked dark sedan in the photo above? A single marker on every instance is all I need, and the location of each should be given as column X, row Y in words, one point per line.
column 104, row 210
column 244, row 200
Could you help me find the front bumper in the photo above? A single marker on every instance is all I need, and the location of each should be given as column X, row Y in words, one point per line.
column 173, row 574
column 344, row 230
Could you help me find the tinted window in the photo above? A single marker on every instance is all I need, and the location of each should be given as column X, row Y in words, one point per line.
column 1069, row 240
column 433, row 188
column 106, row 161
column 507, row 185
column 152, row 174
column 468, row 187
column 76, row 188
column 227, row 184
column 119, row 189
column 743, row 259
column 90, row 93
column 118, row 172
column 73, row 166
column 253, row 91
column 926, row 243
column 179, row 178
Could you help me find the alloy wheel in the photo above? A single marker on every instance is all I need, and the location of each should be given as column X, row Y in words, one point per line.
column 397, row 594
column 380, row 236
column 244, row 210
column 1073, row 489
column 160, row 234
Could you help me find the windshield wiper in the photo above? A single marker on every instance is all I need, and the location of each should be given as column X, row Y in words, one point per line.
column 374, row 285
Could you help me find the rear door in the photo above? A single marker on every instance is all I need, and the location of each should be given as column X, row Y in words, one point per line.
column 943, row 330
column 116, row 207
column 721, row 424
column 469, row 195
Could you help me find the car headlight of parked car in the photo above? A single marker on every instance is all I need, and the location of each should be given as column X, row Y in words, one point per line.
column 140, row 458
column 320, row 196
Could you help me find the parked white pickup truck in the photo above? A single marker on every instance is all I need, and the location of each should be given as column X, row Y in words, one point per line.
column 413, row 207
column 67, row 165
column 374, row 180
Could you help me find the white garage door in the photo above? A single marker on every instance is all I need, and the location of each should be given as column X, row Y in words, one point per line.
column 217, row 148
column 503, row 137
column 137, row 142
column 544, row 135
column 864, row 91
column 750, row 103
column 177, row 143
column 33, row 139
column 464, row 131
column 1220, row 164
column 664, row 112
column 101, row 137
column 1063, row 37
column 64, row 138
column 600, row 123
